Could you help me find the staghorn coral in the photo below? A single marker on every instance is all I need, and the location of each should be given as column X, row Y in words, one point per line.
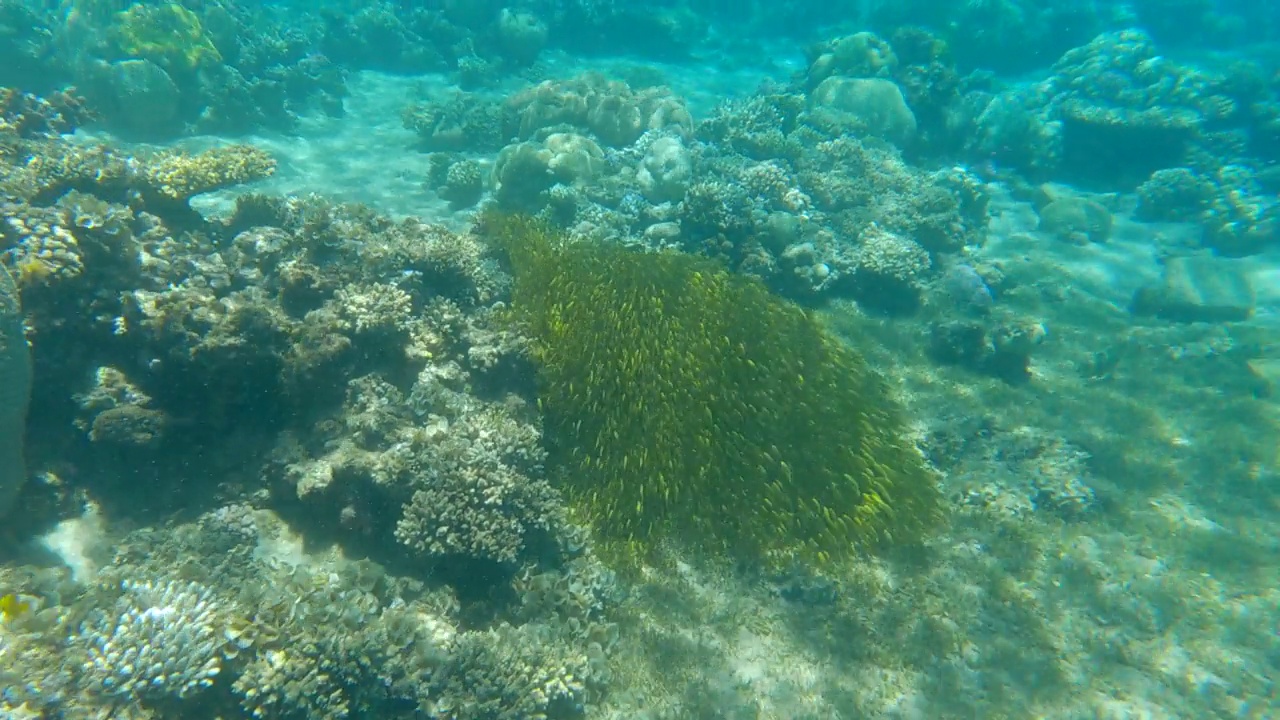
column 688, row 402
column 510, row 673
column 477, row 511
column 160, row 638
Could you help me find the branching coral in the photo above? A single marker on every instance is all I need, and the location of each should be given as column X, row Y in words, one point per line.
column 159, row 639
column 686, row 401
column 510, row 672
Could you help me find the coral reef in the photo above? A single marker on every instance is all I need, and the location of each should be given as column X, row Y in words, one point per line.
column 999, row 349
column 116, row 411
column 468, row 481
column 1118, row 97
column 26, row 115
column 1238, row 216
column 156, row 70
column 270, row 632
column 508, row 673
column 42, row 170
column 228, row 411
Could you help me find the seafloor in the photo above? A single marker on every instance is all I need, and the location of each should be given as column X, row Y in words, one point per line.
column 1109, row 550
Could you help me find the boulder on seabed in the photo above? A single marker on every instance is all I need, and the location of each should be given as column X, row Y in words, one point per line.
column 1198, row 289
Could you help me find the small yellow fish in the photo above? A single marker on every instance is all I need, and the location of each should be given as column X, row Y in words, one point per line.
column 11, row 606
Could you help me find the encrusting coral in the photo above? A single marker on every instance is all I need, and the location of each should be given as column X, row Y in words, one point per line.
column 682, row 400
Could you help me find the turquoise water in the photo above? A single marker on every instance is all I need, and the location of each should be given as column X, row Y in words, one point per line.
column 469, row 360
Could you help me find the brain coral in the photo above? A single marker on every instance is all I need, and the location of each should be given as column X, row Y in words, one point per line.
column 684, row 401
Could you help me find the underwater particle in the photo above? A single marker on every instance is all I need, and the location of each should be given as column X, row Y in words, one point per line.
column 685, row 401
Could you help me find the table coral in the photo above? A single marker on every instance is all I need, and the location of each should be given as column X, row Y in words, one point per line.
column 181, row 176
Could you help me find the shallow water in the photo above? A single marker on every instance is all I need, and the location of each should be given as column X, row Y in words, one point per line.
column 303, row 460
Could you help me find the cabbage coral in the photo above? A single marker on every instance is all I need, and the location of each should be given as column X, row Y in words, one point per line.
column 684, row 401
